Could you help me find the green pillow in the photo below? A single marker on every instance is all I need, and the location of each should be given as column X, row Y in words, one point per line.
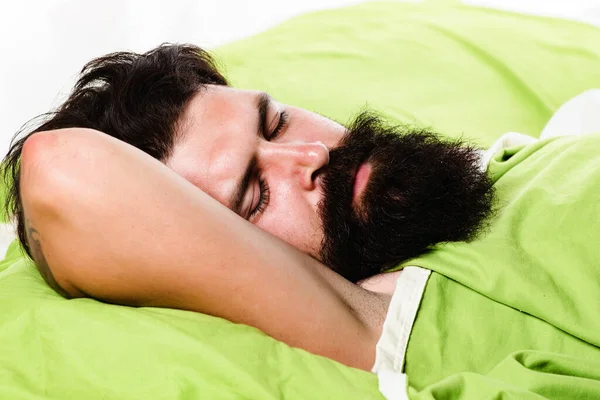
column 464, row 71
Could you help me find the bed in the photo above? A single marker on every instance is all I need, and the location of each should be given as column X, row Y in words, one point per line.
column 464, row 71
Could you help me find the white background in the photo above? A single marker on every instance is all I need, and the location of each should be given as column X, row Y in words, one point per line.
column 44, row 43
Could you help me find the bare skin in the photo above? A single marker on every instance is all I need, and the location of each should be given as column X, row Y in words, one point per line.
column 382, row 283
column 38, row 255
column 111, row 223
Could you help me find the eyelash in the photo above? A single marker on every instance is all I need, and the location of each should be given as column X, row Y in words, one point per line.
column 283, row 120
column 263, row 185
column 263, row 200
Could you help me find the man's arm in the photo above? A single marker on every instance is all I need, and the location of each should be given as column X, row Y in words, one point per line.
column 35, row 245
column 109, row 222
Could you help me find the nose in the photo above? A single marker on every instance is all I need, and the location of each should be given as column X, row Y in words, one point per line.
column 295, row 160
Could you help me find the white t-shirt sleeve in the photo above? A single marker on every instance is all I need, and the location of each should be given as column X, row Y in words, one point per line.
column 391, row 348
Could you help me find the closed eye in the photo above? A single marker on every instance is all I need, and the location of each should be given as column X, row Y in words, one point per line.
column 281, row 124
column 263, row 201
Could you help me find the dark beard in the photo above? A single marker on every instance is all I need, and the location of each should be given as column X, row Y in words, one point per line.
column 422, row 190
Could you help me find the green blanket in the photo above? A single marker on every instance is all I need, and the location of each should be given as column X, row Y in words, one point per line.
column 517, row 311
column 462, row 70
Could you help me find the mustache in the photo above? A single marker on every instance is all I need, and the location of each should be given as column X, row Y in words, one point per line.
column 355, row 147
column 368, row 136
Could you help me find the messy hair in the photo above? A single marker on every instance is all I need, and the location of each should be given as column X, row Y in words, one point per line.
column 137, row 98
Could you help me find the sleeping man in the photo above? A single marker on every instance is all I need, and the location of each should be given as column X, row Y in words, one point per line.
column 157, row 184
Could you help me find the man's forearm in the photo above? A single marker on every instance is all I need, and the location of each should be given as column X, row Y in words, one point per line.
column 124, row 228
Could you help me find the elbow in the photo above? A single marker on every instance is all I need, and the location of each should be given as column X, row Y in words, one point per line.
column 46, row 181
column 48, row 171
column 47, row 188
column 55, row 165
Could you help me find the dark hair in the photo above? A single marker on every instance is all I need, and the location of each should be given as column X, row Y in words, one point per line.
column 137, row 98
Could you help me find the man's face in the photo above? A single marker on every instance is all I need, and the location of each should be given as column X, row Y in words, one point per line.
column 228, row 148
column 360, row 198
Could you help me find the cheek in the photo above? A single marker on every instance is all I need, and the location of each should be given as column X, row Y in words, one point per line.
column 292, row 219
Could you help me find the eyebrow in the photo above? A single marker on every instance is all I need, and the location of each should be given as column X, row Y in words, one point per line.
column 262, row 107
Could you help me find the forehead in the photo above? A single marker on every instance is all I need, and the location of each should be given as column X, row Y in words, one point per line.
column 217, row 128
column 220, row 104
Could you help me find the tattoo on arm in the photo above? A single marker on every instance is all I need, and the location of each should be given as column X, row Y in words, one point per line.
column 34, row 239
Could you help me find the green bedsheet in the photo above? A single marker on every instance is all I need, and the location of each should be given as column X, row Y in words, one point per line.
column 461, row 70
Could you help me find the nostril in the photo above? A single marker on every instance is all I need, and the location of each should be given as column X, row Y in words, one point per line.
column 316, row 173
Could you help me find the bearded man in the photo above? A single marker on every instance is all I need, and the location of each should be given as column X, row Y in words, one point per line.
column 157, row 184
